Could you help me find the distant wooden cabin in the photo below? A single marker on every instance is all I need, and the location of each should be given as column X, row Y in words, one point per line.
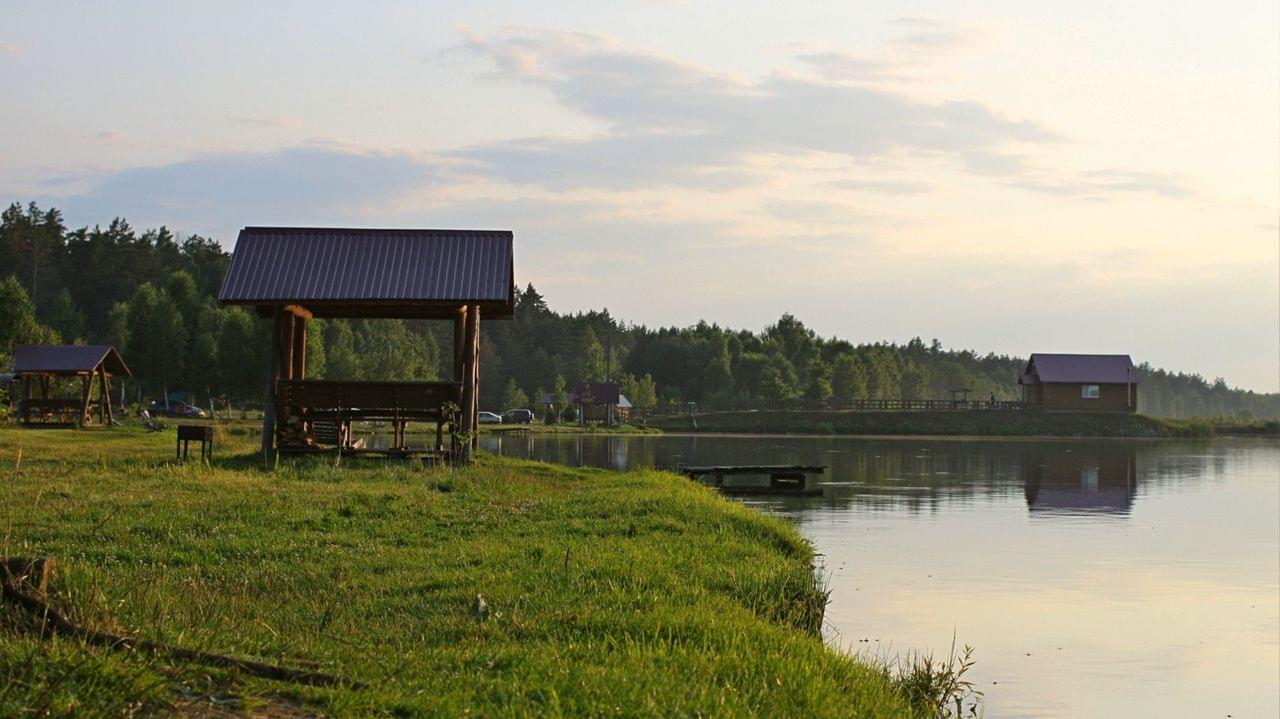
column 89, row 369
column 596, row 402
column 1080, row 383
column 292, row 274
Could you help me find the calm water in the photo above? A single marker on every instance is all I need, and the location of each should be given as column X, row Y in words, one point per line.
column 1095, row 578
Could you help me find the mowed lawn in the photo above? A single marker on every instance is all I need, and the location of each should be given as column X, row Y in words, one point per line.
column 637, row 594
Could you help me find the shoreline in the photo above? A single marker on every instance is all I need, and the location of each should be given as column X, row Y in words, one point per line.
column 1023, row 423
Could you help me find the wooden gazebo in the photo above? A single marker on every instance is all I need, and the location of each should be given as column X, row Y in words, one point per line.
column 37, row 366
column 294, row 274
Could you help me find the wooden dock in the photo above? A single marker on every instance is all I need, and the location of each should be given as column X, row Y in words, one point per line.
column 782, row 477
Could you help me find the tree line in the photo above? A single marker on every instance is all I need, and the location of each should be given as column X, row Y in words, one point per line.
column 153, row 295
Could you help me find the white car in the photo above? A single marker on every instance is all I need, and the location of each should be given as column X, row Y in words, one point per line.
column 489, row 418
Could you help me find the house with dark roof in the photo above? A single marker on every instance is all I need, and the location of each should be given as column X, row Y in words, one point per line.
column 596, row 401
column 1080, row 383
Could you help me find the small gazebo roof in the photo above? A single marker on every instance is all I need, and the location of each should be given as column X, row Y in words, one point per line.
column 336, row 272
column 68, row 359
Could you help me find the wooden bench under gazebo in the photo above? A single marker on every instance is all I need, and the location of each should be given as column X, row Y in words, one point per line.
column 294, row 274
column 38, row 367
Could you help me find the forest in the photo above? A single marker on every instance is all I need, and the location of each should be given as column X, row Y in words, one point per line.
column 153, row 295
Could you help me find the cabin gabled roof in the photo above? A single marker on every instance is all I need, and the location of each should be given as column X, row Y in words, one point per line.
column 372, row 272
column 68, row 359
column 1082, row 369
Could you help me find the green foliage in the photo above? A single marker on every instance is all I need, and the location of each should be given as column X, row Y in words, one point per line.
column 65, row 318
column 641, row 391
column 18, row 323
column 848, row 379
column 513, row 397
column 941, row 686
column 83, row 282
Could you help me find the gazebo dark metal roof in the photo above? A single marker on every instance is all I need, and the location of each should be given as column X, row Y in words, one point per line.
column 68, row 359
column 335, row 272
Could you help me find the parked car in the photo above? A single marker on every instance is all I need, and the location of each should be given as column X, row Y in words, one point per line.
column 176, row 409
column 490, row 418
column 518, row 416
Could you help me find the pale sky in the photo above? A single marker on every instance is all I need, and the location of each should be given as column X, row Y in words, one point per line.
column 1008, row 176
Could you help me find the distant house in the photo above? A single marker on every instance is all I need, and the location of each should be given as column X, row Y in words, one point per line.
column 596, row 401
column 1080, row 383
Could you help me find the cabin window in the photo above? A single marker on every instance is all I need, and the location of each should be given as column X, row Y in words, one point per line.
column 1089, row 391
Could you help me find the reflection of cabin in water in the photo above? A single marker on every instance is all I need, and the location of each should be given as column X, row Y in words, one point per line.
column 294, row 274
column 1078, row 480
column 1080, row 383
column 42, row 368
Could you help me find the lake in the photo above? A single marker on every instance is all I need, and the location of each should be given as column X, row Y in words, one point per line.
column 1094, row 578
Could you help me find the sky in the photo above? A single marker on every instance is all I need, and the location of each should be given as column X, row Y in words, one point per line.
column 1003, row 176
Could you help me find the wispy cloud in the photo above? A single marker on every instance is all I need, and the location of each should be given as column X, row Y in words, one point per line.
column 913, row 53
column 12, row 48
column 280, row 121
column 663, row 112
column 308, row 184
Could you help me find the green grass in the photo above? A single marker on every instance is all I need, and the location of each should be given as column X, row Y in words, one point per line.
column 638, row 594
column 993, row 423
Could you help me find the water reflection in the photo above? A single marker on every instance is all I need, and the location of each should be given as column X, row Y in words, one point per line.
column 1095, row 577
column 1055, row 477
column 1073, row 481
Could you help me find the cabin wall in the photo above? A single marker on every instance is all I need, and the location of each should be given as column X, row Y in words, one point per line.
column 1031, row 393
column 1066, row 397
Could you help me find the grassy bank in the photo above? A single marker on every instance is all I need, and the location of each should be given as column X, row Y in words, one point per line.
column 994, row 423
column 637, row 594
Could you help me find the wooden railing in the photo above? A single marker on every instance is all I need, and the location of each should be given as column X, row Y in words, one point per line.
column 54, row 411
column 302, row 404
column 368, row 399
column 859, row 405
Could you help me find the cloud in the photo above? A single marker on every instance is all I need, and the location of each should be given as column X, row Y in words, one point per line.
column 217, row 194
column 662, row 112
column 888, row 187
column 281, row 121
column 922, row 34
column 615, row 162
column 848, row 66
column 12, row 48
column 110, row 136
column 911, row 55
column 668, row 122
column 1102, row 184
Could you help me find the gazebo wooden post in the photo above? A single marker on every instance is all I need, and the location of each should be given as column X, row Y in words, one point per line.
column 469, row 375
column 273, row 374
column 104, row 397
column 459, row 343
column 86, row 388
column 26, row 399
column 475, row 377
column 299, row 370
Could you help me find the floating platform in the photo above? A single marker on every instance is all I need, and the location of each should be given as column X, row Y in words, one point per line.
column 783, row 478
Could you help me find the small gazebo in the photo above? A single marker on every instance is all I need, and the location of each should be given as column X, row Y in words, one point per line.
column 38, row 366
column 294, row 274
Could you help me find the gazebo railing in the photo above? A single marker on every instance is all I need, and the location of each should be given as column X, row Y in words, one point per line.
column 315, row 412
